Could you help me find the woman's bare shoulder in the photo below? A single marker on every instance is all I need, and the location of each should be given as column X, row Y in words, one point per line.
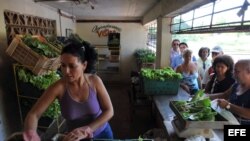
column 57, row 88
column 93, row 77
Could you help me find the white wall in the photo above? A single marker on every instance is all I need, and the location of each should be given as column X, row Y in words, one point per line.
column 9, row 118
column 132, row 36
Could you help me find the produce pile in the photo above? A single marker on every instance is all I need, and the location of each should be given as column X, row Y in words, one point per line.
column 160, row 74
column 39, row 46
column 197, row 109
column 41, row 82
column 145, row 55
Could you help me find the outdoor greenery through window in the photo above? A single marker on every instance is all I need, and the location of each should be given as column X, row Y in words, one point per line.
column 152, row 35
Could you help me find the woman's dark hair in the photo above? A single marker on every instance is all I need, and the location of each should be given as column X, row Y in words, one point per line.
column 84, row 52
column 228, row 61
column 204, row 48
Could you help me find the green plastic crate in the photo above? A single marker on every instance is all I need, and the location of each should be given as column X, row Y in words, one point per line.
column 157, row 87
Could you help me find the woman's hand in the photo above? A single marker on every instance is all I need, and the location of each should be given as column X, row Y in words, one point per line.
column 31, row 135
column 222, row 103
column 79, row 133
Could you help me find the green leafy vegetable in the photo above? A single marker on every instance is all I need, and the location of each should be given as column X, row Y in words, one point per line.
column 160, row 74
column 145, row 55
column 42, row 82
column 198, row 109
column 39, row 47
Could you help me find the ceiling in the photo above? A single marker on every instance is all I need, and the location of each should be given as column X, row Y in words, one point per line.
column 102, row 9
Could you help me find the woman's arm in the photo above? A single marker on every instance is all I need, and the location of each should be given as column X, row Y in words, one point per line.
column 240, row 111
column 224, row 95
column 31, row 120
column 104, row 101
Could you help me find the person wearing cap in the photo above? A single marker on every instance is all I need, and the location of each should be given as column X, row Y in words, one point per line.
column 216, row 51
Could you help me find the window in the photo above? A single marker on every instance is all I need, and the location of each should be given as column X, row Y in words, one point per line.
column 223, row 22
column 152, row 35
column 214, row 17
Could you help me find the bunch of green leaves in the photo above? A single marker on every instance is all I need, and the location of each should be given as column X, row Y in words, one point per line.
column 145, row 55
column 42, row 82
column 198, row 109
column 39, row 47
column 53, row 111
column 160, row 74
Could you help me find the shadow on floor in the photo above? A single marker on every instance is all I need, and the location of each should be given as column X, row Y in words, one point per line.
column 125, row 123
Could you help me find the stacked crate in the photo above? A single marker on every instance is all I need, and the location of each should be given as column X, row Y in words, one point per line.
column 23, row 54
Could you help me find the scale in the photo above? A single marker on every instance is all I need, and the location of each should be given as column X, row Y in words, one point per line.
column 188, row 132
column 186, row 128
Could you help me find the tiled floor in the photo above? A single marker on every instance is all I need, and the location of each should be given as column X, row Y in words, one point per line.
column 126, row 125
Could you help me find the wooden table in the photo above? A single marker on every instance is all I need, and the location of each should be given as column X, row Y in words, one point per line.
column 166, row 114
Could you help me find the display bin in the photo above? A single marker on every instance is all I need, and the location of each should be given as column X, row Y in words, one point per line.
column 157, row 87
column 38, row 64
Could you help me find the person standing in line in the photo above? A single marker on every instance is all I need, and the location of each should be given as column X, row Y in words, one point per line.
column 178, row 60
column 175, row 51
column 191, row 80
column 203, row 62
column 216, row 51
column 83, row 98
column 222, row 79
column 237, row 98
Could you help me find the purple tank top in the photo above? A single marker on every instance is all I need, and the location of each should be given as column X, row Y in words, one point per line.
column 78, row 114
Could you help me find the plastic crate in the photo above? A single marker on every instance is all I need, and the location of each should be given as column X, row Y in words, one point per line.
column 157, row 87
column 38, row 64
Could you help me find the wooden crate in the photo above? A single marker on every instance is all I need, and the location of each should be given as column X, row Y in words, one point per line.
column 38, row 64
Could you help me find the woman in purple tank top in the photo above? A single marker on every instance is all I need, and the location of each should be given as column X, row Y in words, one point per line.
column 84, row 100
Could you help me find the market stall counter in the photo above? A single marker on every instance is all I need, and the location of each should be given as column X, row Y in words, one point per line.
column 167, row 119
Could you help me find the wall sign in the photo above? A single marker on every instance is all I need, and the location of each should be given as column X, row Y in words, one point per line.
column 103, row 31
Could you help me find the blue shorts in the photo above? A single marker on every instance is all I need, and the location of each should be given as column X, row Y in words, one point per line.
column 107, row 133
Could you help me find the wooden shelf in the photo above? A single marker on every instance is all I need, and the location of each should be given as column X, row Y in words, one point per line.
column 108, row 59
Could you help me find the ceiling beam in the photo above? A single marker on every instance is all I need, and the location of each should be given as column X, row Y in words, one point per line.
column 170, row 8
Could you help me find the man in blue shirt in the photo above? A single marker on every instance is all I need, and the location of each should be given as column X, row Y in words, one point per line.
column 177, row 60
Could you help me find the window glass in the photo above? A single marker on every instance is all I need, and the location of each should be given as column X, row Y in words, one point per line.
column 187, row 16
column 226, row 13
column 221, row 18
column 152, row 34
column 226, row 4
column 204, row 10
column 204, row 21
column 175, row 28
column 247, row 14
column 176, row 19
column 186, row 25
